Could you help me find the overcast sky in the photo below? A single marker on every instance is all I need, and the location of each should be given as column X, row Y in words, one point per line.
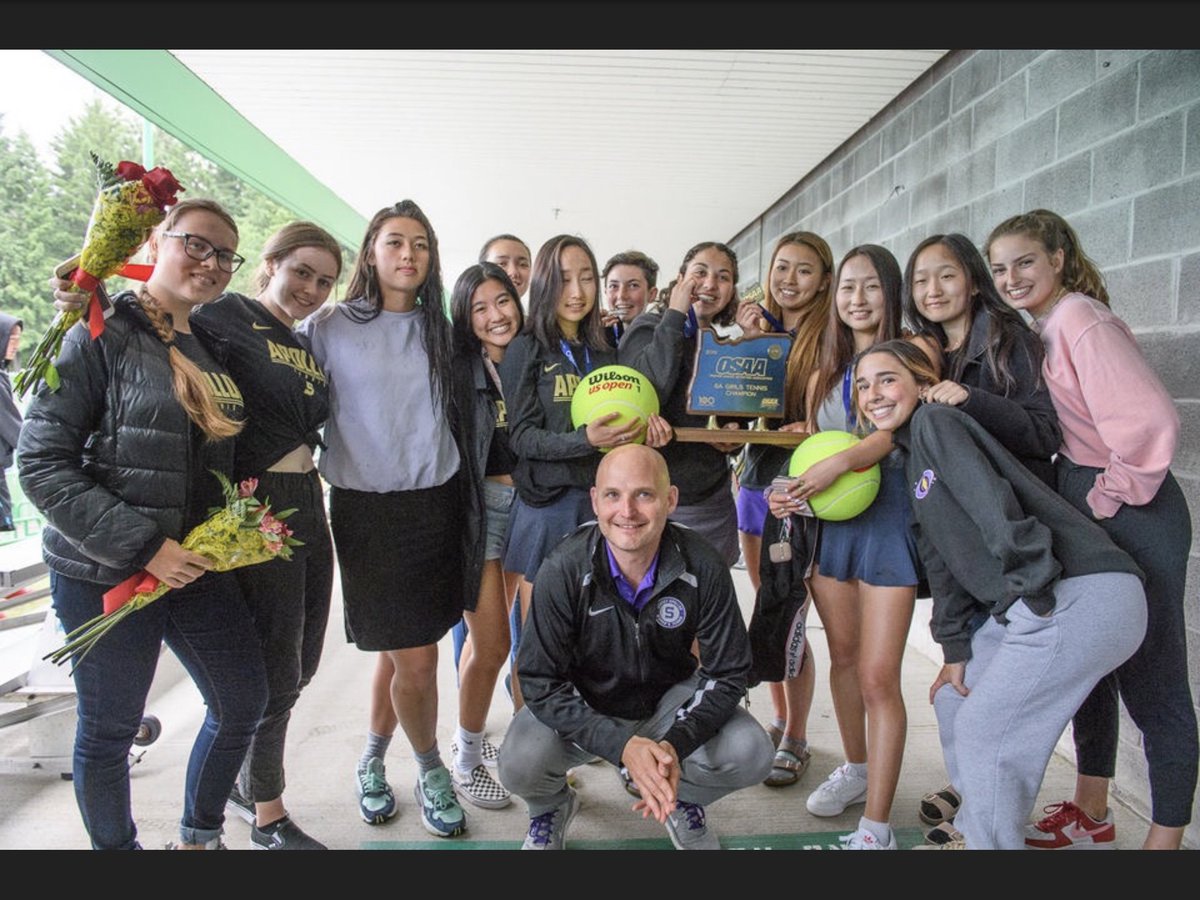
column 38, row 94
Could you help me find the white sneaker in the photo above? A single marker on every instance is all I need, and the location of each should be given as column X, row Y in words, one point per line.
column 836, row 792
column 865, row 840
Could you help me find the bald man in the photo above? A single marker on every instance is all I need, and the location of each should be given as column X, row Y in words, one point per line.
column 607, row 670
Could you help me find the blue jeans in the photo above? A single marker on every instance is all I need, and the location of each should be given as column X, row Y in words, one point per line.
column 209, row 630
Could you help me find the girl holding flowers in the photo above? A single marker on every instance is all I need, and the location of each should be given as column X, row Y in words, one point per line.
column 118, row 460
column 287, row 400
column 405, row 505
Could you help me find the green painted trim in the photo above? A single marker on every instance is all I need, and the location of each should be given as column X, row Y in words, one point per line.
column 906, row 839
column 154, row 84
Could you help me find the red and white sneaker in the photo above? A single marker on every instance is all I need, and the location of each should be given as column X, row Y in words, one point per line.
column 1067, row 827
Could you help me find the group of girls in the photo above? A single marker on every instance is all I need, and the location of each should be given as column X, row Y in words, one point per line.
column 1016, row 431
column 180, row 382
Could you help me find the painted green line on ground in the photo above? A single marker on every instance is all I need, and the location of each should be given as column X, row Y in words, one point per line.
column 818, row 840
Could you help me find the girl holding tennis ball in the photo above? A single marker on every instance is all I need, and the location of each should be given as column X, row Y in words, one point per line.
column 563, row 340
column 1061, row 605
column 865, row 573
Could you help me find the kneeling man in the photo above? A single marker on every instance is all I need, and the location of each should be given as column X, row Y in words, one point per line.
column 607, row 668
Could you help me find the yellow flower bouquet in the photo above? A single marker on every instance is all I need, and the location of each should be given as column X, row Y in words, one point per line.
column 243, row 532
column 130, row 203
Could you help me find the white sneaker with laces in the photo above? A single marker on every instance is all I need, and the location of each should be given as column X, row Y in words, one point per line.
column 548, row 831
column 835, row 793
column 866, row 840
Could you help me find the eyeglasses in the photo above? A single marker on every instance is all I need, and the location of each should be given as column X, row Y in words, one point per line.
column 200, row 249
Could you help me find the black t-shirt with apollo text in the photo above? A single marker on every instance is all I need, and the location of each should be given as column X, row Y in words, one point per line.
column 285, row 391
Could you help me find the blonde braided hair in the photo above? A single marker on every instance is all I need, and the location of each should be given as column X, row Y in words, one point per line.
column 191, row 388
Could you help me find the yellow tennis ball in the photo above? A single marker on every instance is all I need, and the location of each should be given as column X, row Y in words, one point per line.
column 610, row 389
column 851, row 493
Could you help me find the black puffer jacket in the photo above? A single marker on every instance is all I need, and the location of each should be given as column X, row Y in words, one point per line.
column 107, row 458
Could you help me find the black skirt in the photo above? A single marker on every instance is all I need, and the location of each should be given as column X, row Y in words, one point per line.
column 400, row 558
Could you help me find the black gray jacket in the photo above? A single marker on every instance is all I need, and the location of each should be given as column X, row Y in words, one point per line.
column 1025, row 420
column 107, row 458
column 552, row 454
column 655, row 346
column 989, row 532
column 592, row 666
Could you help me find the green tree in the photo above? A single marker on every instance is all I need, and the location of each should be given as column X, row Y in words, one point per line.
column 28, row 229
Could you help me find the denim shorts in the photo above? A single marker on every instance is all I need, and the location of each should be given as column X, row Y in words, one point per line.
column 498, row 498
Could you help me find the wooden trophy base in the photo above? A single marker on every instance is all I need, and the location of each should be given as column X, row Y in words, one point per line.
column 742, row 436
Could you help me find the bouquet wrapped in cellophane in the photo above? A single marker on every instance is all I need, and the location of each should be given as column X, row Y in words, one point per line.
column 130, row 203
column 243, row 532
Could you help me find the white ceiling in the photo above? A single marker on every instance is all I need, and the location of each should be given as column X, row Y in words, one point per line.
column 652, row 149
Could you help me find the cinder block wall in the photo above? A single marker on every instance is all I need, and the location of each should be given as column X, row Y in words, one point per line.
column 1110, row 139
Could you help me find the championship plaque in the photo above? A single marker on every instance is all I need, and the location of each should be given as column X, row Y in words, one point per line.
column 739, row 378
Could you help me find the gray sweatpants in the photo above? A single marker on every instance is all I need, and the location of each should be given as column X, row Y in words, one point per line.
column 1025, row 681
column 534, row 759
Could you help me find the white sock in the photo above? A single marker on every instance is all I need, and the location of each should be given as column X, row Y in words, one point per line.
column 881, row 830
column 470, row 749
column 859, row 769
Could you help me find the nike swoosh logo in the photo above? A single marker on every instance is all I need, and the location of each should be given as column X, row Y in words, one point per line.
column 596, row 612
column 546, row 370
column 258, row 327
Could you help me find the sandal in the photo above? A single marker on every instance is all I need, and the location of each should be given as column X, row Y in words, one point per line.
column 940, row 806
column 775, row 733
column 943, row 834
column 788, row 766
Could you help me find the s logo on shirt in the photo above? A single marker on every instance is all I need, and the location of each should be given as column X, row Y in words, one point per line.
column 671, row 613
column 924, row 483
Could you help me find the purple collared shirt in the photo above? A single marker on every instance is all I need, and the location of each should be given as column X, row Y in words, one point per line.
column 637, row 598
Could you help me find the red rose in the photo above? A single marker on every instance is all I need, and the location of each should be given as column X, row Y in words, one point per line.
column 129, row 171
column 162, row 185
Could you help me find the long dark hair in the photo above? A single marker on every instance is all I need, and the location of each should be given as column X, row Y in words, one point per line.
column 1005, row 327
column 466, row 342
column 364, row 284
column 729, row 313
column 837, row 341
column 545, row 288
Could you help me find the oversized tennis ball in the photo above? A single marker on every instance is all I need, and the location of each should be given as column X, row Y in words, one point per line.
column 851, row 493
column 610, row 389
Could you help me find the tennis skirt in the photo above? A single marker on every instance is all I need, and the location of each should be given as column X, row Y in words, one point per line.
column 534, row 530
column 400, row 557
column 877, row 546
column 715, row 519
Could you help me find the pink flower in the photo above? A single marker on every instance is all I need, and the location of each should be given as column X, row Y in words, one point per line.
column 248, row 487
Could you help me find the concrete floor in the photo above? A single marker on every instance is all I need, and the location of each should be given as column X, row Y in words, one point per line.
column 38, row 811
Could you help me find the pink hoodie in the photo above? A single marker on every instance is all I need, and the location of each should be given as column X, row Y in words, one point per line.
column 1114, row 412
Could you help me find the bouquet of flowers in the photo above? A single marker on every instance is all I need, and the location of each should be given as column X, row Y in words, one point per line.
column 130, row 203
column 241, row 533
